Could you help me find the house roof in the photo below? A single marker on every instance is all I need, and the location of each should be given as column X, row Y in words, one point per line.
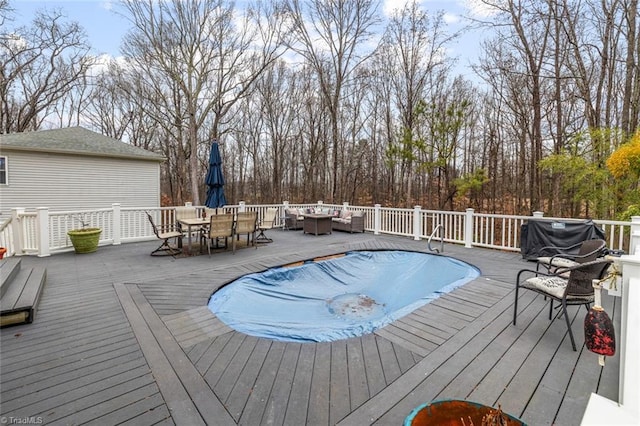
column 75, row 141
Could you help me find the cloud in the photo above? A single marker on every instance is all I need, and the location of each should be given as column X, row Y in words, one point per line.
column 107, row 5
column 390, row 6
column 479, row 9
column 451, row 18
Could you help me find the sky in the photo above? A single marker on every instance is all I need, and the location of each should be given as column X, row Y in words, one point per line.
column 105, row 28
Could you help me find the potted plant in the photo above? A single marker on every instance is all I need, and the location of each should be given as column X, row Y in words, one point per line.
column 3, row 251
column 459, row 412
column 85, row 239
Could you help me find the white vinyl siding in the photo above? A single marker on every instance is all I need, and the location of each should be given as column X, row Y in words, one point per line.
column 75, row 182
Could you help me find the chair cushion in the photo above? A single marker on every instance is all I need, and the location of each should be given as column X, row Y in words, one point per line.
column 558, row 262
column 340, row 220
column 554, row 286
column 551, row 285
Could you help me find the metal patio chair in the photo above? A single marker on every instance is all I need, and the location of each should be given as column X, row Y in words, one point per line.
column 246, row 223
column 165, row 249
column 220, row 226
column 568, row 286
column 267, row 222
column 564, row 257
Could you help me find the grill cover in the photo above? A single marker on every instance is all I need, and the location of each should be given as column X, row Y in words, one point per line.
column 540, row 233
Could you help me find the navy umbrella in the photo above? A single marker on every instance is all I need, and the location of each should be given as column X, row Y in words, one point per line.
column 215, row 180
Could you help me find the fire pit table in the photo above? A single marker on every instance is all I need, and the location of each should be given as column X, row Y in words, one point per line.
column 317, row 224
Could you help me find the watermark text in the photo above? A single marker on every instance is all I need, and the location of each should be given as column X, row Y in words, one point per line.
column 10, row 420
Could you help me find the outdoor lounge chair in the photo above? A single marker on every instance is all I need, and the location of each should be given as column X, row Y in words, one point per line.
column 246, row 223
column 564, row 257
column 577, row 289
column 165, row 249
column 220, row 226
column 293, row 219
column 267, row 222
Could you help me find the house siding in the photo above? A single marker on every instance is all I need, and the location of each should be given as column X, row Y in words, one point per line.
column 76, row 182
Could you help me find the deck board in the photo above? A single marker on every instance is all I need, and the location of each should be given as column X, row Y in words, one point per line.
column 107, row 339
column 339, row 392
column 298, row 403
column 259, row 397
column 320, row 384
column 243, row 387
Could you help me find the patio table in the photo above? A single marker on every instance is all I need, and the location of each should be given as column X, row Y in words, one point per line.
column 193, row 221
column 317, row 224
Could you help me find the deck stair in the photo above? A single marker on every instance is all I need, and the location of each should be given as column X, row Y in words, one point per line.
column 20, row 290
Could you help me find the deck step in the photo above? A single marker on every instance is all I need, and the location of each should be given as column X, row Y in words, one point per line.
column 21, row 294
column 8, row 269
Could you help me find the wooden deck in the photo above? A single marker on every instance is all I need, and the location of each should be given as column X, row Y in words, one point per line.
column 125, row 338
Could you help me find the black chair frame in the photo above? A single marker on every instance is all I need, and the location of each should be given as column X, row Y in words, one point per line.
column 578, row 290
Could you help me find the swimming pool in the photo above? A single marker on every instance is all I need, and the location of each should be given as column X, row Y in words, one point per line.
column 346, row 296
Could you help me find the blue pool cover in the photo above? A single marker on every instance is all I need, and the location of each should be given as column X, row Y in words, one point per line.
column 339, row 298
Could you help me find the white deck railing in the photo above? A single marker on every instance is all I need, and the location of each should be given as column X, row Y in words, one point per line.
column 43, row 232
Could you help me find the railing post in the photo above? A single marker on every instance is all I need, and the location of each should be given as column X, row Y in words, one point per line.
column 345, row 205
column 377, row 219
column 116, row 225
column 626, row 409
column 285, row 205
column 242, row 206
column 16, row 230
column 320, row 203
column 538, row 214
column 417, row 223
column 42, row 229
column 634, row 244
column 468, row 228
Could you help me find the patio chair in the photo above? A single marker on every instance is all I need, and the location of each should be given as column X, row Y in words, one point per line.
column 165, row 249
column 267, row 222
column 576, row 289
column 184, row 212
column 293, row 219
column 220, row 226
column 564, row 257
column 211, row 212
column 246, row 223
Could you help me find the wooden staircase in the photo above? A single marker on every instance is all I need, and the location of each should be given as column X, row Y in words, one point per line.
column 19, row 291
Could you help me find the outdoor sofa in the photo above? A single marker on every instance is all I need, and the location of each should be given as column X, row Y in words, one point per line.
column 293, row 219
column 348, row 221
column 342, row 220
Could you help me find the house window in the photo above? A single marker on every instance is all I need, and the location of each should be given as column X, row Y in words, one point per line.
column 3, row 170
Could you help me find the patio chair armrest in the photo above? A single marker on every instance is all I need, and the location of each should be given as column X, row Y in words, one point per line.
column 534, row 273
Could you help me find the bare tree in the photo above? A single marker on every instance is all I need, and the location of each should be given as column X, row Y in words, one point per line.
column 330, row 36
column 631, row 94
column 5, row 12
column 414, row 49
column 203, row 59
column 39, row 65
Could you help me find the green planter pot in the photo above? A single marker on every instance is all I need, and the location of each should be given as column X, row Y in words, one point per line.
column 85, row 240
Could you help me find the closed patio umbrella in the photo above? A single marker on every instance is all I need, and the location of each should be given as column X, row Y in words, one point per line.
column 215, row 180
